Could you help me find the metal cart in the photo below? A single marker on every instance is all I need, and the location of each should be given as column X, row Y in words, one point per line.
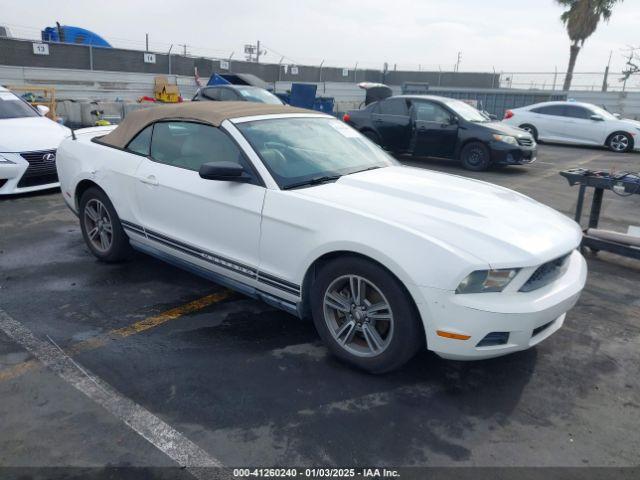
column 622, row 184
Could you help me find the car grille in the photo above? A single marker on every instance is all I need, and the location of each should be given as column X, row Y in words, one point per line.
column 525, row 142
column 546, row 273
column 41, row 169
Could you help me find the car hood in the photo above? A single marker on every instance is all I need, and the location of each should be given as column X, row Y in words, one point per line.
column 30, row 134
column 493, row 224
column 630, row 121
column 504, row 129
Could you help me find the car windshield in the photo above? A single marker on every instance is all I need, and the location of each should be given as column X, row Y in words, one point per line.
column 602, row 112
column 305, row 151
column 253, row 94
column 466, row 111
column 12, row 106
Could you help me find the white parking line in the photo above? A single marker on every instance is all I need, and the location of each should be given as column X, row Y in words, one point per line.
column 161, row 435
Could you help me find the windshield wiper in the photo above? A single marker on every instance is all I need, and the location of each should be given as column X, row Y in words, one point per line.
column 366, row 169
column 313, row 181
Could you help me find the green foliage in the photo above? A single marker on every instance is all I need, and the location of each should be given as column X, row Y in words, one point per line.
column 582, row 17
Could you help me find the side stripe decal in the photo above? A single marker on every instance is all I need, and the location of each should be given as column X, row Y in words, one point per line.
column 214, row 259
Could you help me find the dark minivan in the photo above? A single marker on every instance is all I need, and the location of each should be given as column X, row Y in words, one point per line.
column 431, row 126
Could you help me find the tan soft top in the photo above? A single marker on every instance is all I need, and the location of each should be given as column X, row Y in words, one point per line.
column 213, row 113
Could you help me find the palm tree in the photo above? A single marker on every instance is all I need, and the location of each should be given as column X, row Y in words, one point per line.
column 581, row 19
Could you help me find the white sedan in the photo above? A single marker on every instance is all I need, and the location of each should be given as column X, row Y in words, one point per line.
column 28, row 144
column 300, row 210
column 576, row 123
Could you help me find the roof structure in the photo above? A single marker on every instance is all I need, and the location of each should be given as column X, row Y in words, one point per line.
column 213, row 113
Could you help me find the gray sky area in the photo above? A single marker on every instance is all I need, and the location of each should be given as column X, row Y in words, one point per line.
column 510, row 35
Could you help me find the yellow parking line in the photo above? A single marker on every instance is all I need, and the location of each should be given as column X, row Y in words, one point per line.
column 18, row 369
column 138, row 327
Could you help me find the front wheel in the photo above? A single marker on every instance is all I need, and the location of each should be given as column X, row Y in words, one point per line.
column 475, row 156
column 101, row 227
column 620, row 142
column 364, row 315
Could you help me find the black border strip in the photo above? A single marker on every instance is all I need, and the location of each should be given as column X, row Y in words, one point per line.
column 212, row 259
column 278, row 286
column 217, row 260
column 195, row 249
column 133, row 227
column 273, row 278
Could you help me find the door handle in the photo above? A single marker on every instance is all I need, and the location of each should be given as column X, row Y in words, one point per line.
column 377, row 120
column 149, row 180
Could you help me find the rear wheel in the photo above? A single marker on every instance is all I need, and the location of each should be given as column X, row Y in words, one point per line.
column 620, row 142
column 531, row 129
column 364, row 315
column 101, row 227
column 475, row 156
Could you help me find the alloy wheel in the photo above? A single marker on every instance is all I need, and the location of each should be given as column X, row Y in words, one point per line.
column 358, row 316
column 98, row 225
column 619, row 143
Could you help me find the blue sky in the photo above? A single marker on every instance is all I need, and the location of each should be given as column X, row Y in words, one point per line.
column 515, row 35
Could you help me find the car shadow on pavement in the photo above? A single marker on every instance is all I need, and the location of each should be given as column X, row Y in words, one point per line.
column 265, row 373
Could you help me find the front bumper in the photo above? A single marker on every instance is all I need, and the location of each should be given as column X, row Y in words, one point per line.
column 506, row 154
column 517, row 313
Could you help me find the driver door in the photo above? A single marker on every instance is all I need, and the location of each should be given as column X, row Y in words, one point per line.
column 211, row 221
column 435, row 134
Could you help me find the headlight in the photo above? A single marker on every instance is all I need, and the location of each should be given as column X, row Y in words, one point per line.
column 505, row 138
column 4, row 160
column 483, row 281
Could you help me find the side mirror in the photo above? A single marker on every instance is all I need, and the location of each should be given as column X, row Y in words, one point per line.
column 617, row 115
column 453, row 120
column 492, row 116
column 42, row 110
column 229, row 171
column 596, row 118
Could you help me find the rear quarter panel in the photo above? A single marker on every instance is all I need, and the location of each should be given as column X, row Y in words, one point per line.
column 113, row 170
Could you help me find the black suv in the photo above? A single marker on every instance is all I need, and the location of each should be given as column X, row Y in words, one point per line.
column 426, row 125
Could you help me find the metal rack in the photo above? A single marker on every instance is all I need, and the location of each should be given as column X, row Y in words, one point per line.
column 47, row 94
column 601, row 181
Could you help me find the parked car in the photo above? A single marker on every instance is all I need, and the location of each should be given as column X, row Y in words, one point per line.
column 236, row 93
column 576, row 123
column 426, row 125
column 28, row 144
column 302, row 211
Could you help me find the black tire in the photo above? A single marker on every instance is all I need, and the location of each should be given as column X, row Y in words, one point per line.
column 373, row 136
column 531, row 129
column 404, row 333
column 117, row 248
column 475, row 156
column 620, row 142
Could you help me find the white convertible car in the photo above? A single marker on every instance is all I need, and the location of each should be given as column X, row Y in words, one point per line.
column 28, row 144
column 300, row 210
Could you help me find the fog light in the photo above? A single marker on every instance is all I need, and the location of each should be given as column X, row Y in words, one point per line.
column 494, row 338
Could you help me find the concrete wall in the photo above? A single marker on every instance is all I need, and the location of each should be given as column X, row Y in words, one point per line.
column 14, row 52
column 92, row 85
